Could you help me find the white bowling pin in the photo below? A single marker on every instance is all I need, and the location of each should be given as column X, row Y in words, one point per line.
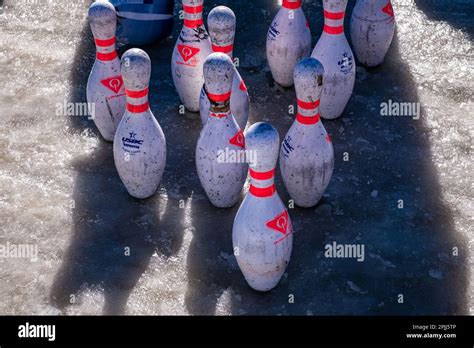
column 220, row 150
column 288, row 40
column 372, row 29
column 221, row 23
column 105, row 91
column 191, row 49
column 262, row 235
column 334, row 52
column 139, row 145
column 307, row 155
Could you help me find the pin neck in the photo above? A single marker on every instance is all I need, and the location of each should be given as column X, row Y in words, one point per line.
column 262, row 184
column 334, row 22
column 137, row 101
column 193, row 16
column 291, row 5
column 229, row 49
column 105, row 49
column 308, row 112
column 220, row 103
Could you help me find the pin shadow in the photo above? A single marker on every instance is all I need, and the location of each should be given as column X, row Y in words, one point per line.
column 455, row 12
column 114, row 235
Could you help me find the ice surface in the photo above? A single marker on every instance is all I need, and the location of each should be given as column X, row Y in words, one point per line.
column 59, row 189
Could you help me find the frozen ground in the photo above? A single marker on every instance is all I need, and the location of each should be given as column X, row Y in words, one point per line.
column 59, row 189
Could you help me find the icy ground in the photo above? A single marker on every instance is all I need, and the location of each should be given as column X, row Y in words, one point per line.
column 60, row 192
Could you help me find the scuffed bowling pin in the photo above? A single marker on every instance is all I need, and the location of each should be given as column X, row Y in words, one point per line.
column 105, row 92
column 334, row 52
column 220, row 150
column 288, row 40
column 221, row 23
column 372, row 29
column 307, row 155
column 139, row 145
column 191, row 49
column 262, row 235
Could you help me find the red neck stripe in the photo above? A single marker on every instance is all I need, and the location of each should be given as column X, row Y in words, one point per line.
column 291, row 5
column 105, row 43
column 223, row 49
column 106, row 56
column 218, row 114
column 308, row 120
column 334, row 15
column 216, row 98
column 262, row 175
column 333, row 30
column 308, row 105
column 193, row 9
column 193, row 23
column 137, row 94
column 136, row 109
column 262, row 192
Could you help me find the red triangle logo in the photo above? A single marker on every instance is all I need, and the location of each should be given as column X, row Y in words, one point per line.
column 187, row 52
column 279, row 223
column 238, row 139
column 113, row 83
column 388, row 9
column 242, row 86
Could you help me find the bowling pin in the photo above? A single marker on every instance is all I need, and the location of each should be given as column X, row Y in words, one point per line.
column 306, row 154
column 221, row 23
column 334, row 52
column 372, row 29
column 191, row 49
column 220, row 150
column 139, row 145
column 262, row 235
column 288, row 40
column 105, row 91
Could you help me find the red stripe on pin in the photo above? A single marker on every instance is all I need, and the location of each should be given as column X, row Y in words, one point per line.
column 216, row 98
column 307, row 120
column 262, row 175
column 307, row 105
column 262, row 192
column 105, row 43
column 223, row 49
column 137, row 94
column 106, row 56
column 333, row 30
column 218, row 115
column 291, row 5
column 136, row 109
column 192, row 9
column 193, row 23
column 334, row 15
